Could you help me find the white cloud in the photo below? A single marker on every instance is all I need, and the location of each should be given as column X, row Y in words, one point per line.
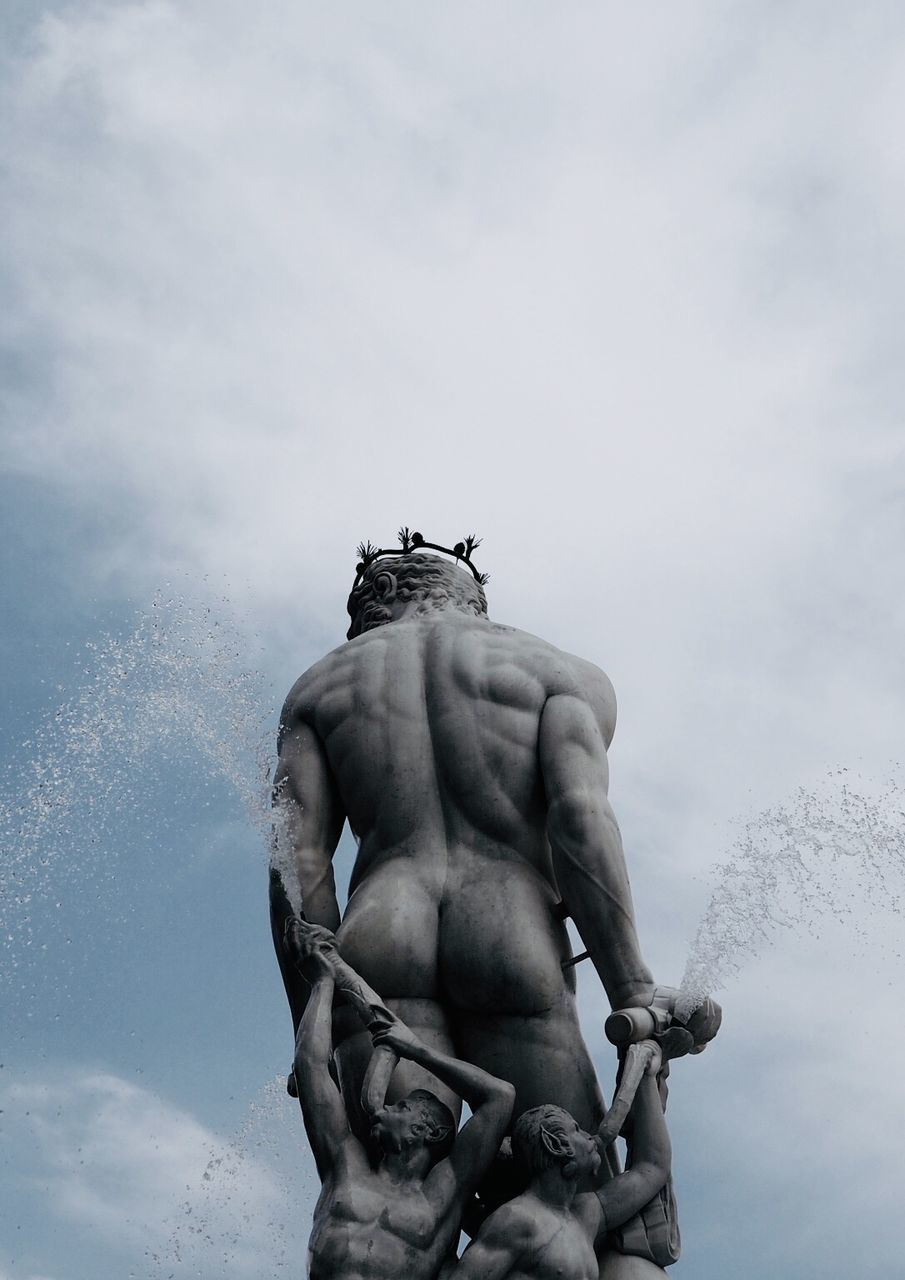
column 303, row 258
column 119, row 1168
column 287, row 279
column 620, row 289
column 5, row 1275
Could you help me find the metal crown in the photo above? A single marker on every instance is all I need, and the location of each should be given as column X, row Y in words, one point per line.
column 409, row 542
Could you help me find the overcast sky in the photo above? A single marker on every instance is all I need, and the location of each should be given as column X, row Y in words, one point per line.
column 620, row 289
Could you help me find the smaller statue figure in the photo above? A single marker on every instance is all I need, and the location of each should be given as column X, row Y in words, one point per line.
column 402, row 1217
column 557, row 1229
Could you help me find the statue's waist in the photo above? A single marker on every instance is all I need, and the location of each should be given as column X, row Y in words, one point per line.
column 438, row 865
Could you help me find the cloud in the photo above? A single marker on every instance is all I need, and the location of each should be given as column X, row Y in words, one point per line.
column 295, row 272
column 284, row 280
column 619, row 289
column 122, row 1170
column 5, row 1275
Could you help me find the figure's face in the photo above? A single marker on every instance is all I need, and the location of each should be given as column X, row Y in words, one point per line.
column 586, row 1153
column 399, row 1126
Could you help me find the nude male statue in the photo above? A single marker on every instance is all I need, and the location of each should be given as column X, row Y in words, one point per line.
column 558, row 1226
column 470, row 760
column 401, row 1218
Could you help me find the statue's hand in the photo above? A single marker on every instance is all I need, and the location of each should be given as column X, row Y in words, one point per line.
column 704, row 1023
column 397, row 1037
column 698, row 1029
column 674, row 1042
column 654, row 1058
column 310, row 946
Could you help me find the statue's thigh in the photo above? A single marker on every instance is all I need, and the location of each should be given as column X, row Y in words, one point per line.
column 544, row 1056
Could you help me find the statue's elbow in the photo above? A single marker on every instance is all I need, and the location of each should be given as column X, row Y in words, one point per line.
column 506, row 1096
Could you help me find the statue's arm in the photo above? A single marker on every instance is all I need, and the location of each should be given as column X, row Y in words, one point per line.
column 322, row 1107
column 308, row 821
column 504, row 1237
column 491, row 1101
column 649, row 1160
column 586, row 844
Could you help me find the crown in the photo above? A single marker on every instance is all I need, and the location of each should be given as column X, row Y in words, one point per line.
column 409, row 542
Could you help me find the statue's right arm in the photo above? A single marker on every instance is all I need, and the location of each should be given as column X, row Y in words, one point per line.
column 498, row 1247
column 308, row 823
column 588, row 860
column 325, row 1117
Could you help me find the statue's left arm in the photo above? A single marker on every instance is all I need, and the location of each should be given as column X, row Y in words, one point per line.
column 650, row 1155
column 588, row 860
column 308, row 822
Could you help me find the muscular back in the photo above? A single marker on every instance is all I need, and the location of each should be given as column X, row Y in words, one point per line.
column 471, row 762
column 430, row 729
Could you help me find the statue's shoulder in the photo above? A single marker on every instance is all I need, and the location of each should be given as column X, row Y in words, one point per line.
column 515, row 1225
column 563, row 671
column 316, row 681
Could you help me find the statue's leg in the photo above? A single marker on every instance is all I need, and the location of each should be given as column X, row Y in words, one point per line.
column 502, row 949
column 545, row 1058
column 543, row 1055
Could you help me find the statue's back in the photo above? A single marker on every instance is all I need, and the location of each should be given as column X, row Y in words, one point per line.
column 431, row 731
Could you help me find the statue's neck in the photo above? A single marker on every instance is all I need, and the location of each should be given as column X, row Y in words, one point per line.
column 398, row 1167
column 553, row 1189
column 428, row 608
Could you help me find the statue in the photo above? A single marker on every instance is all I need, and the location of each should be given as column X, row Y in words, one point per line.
column 402, row 1217
column 556, row 1229
column 470, row 760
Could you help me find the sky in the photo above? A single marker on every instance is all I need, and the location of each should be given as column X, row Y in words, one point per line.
column 617, row 288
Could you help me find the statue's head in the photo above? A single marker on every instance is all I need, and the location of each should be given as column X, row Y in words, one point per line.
column 548, row 1137
column 419, row 1120
column 388, row 587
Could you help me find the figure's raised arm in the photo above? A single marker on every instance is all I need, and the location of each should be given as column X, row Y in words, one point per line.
column 650, row 1155
column 308, row 821
column 491, row 1101
column 588, row 860
column 325, row 1117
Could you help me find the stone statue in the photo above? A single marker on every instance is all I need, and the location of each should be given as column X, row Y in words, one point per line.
column 400, row 1219
column 470, row 760
column 556, row 1229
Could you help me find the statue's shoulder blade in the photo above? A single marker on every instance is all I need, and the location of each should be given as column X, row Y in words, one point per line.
column 313, row 684
column 565, row 673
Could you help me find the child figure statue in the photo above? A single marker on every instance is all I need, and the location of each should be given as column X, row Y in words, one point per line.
column 557, row 1228
column 402, row 1217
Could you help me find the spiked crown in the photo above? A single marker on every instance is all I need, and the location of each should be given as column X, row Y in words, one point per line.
column 409, row 542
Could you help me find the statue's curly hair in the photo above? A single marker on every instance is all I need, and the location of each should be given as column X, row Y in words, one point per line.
column 427, row 579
